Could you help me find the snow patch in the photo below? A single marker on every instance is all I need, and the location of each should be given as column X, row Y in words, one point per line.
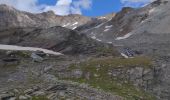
column 152, row 10
column 124, row 55
column 74, row 24
column 109, row 26
column 124, row 37
column 109, row 42
column 20, row 48
column 98, row 40
column 106, row 30
column 74, row 27
column 66, row 25
column 93, row 37
column 102, row 18
column 99, row 25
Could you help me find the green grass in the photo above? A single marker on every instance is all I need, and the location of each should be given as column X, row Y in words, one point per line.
column 39, row 98
column 103, row 51
column 104, row 81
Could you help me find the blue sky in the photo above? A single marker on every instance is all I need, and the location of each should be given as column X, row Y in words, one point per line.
column 103, row 7
column 65, row 7
column 99, row 7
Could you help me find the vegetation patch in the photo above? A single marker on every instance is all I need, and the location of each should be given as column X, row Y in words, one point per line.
column 104, row 51
column 39, row 98
column 95, row 73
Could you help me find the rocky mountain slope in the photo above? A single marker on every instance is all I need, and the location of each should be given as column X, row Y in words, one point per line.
column 144, row 30
column 123, row 56
column 10, row 17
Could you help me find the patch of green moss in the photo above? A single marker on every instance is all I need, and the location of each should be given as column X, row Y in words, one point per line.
column 39, row 98
column 24, row 54
column 106, row 51
column 99, row 77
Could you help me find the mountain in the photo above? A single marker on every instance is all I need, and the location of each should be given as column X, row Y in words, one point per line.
column 119, row 56
column 144, row 30
column 57, row 38
column 10, row 17
column 134, row 27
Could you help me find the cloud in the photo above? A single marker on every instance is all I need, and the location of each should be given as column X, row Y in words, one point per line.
column 62, row 7
column 135, row 3
column 24, row 5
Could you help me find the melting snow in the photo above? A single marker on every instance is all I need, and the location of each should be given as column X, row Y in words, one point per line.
column 102, row 18
column 99, row 25
column 20, row 48
column 93, row 37
column 74, row 27
column 75, row 24
column 109, row 26
column 98, row 40
column 106, row 30
column 124, row 55
column 109, row 42
column 152, row 10
column 66, row 25
column 124, row 37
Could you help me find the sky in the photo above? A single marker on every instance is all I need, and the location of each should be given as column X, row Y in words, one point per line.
column 83, row 7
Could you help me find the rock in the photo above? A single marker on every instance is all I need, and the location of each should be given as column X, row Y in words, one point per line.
column 6, row 96
column 52, row 96
column 87, row 75
column 40, row 53
column 57, row 87
column 21, row 97
column 13, row 98
column 77, row 73
column 29, row 91
column 47, row 68
column 36, row 58
column 10, row 60
column 62, row 94
column 39, row 93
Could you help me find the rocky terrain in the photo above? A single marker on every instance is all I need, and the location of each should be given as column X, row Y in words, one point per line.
column 122, row 56
column 12, row 18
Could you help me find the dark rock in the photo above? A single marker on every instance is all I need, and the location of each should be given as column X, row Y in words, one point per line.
column 6, row 96
column 57, row 88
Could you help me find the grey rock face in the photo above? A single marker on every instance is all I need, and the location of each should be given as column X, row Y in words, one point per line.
column 56, row 38
column 10, row 17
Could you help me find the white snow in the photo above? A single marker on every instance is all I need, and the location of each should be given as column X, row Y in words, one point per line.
column 106, row 30
column 98, row 39
column 152, row 10
column 93, row 37
column 66, row 25
column 124, row 37
column 74, row 24
column 109, row 42
column 125, row 56
column 20, row 48
column 109, row 26
column 102, row 18
column 99, row 25
column 74, row 27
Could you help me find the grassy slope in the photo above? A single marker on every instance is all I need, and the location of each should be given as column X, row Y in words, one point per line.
column 99, row 78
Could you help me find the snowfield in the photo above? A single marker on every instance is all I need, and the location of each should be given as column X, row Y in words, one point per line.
column 124, row 37
column 20, row 48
